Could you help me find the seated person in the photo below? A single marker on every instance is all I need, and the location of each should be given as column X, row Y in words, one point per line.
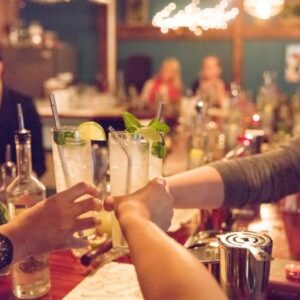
column 166, row 85
column 210, row 83
column 9, row 124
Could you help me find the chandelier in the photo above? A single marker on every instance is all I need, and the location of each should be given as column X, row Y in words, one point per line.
column 194, row 18
column 263, row 9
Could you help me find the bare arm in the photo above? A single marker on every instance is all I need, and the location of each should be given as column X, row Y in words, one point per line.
column 198, row 188
column 165, row 269
column 50, row 224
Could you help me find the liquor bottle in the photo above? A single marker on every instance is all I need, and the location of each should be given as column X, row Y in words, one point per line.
column 232, row 126
column 31, row 276
column 197, row 154
column 8, row 172
column 267, row 102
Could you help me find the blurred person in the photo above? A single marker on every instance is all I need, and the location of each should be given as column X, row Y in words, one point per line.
column 210, row 83
column 49, row 225
column 9, row 124
column 166, row 85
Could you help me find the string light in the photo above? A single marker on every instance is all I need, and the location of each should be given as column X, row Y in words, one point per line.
column 263, row 9
column 195, row 18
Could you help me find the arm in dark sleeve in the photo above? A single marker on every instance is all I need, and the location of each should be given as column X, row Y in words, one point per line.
column 33, row 123
column 261, row 178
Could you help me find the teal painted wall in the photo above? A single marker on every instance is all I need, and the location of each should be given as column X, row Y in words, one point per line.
column 190, row 54
column 261, row 56
column 75, row 23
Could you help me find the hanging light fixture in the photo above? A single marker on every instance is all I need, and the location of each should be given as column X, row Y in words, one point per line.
column 263, row 9
column 195, row 18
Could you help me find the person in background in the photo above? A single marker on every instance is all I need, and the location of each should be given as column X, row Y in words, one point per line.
column 49, row 225
column 166, row 85
column 210, row 84
column 9, row 124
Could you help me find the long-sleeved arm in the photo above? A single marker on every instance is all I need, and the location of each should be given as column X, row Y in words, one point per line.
column 261, row 178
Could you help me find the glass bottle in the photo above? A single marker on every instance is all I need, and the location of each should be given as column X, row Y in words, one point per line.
column 267, row 102
column 197, row 154
column 31, row 276
column 8, row 172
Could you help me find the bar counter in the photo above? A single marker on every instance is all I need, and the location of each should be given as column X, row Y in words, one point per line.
column 67, row 272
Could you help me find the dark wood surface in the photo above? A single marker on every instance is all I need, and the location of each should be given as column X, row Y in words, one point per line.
column 67, row 273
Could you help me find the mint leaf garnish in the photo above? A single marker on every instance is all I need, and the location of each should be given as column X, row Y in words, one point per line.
column 131, row 122
column 159, row 126
column 159, row 150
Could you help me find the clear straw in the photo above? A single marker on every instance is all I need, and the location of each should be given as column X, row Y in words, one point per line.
column 20, row 118
column 160, row 109
column 60, row 150
column 54, row 111
column 8, row 153
column 128, row 155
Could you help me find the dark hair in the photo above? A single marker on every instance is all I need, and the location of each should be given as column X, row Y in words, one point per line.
column 1, row 58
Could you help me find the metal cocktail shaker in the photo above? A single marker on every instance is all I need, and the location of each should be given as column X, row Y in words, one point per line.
column 245, row 265
column 205, row 246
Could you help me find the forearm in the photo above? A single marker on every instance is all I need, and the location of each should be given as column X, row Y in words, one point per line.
column 198, row 188
column 164, row 268
column 261, row 178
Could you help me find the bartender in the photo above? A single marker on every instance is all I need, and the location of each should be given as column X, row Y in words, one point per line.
column 9, row 124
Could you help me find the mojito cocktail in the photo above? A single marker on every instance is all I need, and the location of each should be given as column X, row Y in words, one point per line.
column 127, row 175
column 72, row 158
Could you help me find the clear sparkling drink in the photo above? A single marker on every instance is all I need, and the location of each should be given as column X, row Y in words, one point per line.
column 77, row 165
column 120, row 170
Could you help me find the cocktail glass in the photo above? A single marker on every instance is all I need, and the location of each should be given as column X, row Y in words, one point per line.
column 128, row 173
column 72, row 158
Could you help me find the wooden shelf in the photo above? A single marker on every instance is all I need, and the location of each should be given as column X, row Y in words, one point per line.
column 126, row 33
column 265, row 30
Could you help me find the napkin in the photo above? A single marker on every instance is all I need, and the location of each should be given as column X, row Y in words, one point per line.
column 114, row 281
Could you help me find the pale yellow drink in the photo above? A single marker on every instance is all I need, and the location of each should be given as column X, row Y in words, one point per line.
column 78, row 165
column 127, row 177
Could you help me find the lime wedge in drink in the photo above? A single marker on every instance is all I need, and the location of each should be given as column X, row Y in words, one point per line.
column 3, row 214
column 91, row 131
column 149, row 133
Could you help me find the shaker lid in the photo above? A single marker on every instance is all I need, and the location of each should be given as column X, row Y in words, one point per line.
column 258, row 244
column 244, row 239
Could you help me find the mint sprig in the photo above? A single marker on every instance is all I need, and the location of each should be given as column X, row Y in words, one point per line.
column 132, row 124
column 159, row 126
column 158, row 149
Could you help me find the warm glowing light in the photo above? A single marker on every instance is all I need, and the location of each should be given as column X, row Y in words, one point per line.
column 263, row 9
column 256, row 117
column 194, row 18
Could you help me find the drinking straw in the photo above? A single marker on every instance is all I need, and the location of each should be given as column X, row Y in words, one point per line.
column 160, row 108
column 8, row 153
column 20, row 118
column 60, row 150
column 54, row 111
column 128, row 155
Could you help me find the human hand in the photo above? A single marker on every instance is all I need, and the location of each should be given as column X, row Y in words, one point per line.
column 51, row 224
column 153, row 202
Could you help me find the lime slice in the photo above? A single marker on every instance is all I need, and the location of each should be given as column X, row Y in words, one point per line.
column 3, row 214
column 149, row 133
column 91, row 131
